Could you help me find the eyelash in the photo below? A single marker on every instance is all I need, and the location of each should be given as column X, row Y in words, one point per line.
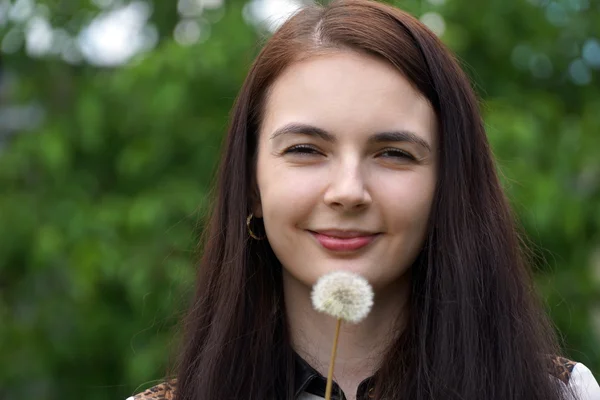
column 401, row 153
column 304, row 149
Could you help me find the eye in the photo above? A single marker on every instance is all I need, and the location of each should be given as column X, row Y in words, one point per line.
column 397, row 154
column 302, row 149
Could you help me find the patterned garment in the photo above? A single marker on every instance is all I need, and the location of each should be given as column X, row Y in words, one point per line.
column 561, row 368
column 575, row 375
column 164, row 391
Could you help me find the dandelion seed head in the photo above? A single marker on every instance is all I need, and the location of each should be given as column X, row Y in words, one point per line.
column 344, row 295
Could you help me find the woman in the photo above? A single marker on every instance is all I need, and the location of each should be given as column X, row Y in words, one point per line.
column 356, row 144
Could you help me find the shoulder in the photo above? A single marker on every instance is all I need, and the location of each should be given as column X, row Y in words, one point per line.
column 561, row 368
column 163, row 391
column 576, row 377
column 583, row 383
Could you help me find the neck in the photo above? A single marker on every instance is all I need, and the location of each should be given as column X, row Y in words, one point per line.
column 361, row 347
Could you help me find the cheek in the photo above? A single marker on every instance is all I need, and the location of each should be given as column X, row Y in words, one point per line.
column 409, row 202
column 288, row 193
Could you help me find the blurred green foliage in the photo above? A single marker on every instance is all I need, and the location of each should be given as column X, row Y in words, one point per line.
column 101, row 201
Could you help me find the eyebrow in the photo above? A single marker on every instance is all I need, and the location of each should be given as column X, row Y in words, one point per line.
column 379, row 137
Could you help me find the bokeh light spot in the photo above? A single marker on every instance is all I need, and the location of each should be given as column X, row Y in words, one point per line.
column 212, row 4
column 21, row 10
column 114, row 37
column 435, row 22
column 12, row 41
column 190, row 8
column 579, row 72
column 521, row 56
column 556, row 14
column 591, row 53
column 270, row 13
column 540, row 66
column 190, row 31
column 38, row 35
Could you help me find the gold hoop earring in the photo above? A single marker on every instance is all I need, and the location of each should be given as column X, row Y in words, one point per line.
column 250, row 229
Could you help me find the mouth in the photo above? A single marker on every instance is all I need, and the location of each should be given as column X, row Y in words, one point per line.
column 344, row 241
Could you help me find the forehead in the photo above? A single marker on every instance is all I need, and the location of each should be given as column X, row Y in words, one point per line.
column 348, row 92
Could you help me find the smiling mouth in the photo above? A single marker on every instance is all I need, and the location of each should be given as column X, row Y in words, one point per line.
column 344, row 240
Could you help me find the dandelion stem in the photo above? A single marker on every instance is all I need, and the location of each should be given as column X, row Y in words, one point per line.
column 332, row 361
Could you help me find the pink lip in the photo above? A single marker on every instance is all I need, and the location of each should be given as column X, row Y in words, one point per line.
column 343, row 240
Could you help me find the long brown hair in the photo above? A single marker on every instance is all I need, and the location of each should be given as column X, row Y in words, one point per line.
column 475, row 331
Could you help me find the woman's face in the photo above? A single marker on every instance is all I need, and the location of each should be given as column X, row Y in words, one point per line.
column 346, row 168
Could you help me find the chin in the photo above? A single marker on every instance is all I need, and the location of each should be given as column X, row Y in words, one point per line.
column 311, row 278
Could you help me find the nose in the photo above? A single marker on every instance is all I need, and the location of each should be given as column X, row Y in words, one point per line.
column 347, row 190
